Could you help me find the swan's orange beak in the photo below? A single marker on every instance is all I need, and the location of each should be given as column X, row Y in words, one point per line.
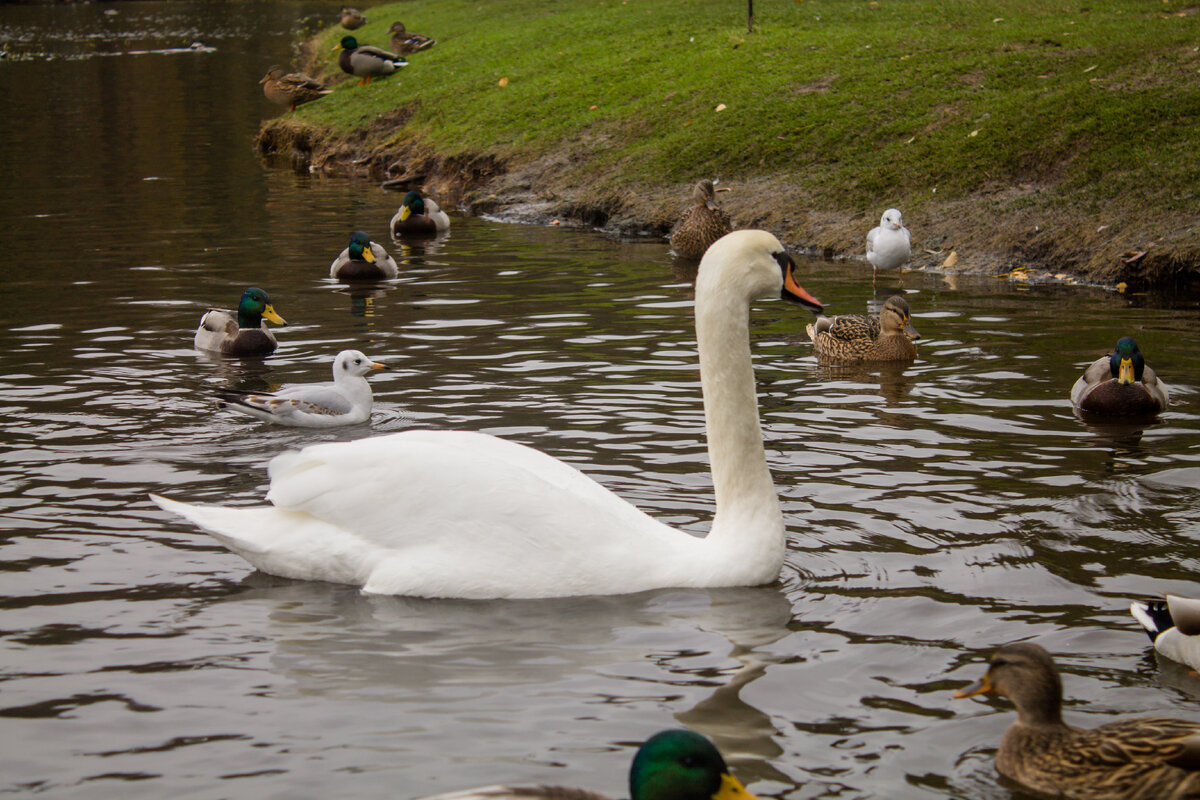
column 795, row 292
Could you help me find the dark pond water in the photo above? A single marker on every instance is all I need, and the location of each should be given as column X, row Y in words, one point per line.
column 933, row 511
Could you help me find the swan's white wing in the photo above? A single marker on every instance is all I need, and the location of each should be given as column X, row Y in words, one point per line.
column 451, row 514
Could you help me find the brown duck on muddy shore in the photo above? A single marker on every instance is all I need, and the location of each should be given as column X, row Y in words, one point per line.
column 700, row 225
column 291, row 88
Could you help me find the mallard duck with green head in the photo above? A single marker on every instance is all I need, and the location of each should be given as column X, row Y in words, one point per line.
column 366, row 62
column 852, row 337
column 677, row 764
column 363, row 260
column 1120, row 385
column 1146, row 758
column 352, row 18
column 291, row 88
column 702, row 224
column 405, row 43
column 419, row 216
column 244, row 335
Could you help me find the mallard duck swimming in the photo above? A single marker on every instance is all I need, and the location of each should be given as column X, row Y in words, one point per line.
column 387, row 513
column 365, row 61
column 347, row 401
column 404, row 43
column 1173, row 626
column 1151, row 758
column 676, row 764
column 352, row 18
column 889, row 245
column 700, row 225
column 419, row 216
column 245, row 335
column 1120, row 385
column 363, row 260
column 291, row 88
column 850, row 337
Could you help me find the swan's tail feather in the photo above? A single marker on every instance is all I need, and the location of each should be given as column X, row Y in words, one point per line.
column 226, row 525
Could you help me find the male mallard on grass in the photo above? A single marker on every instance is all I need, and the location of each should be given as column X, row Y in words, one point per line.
column 1148, row 758
column 850, row 337
column 404, row 43
column 366, row 62
column 363, row 260
column 676, row 764
column 291, row 88
column 419, row 216
column 352, row 18
column 245, row 335
column 700, row 225
column 1120, row 385
column 1173, row 626
column 889, row 245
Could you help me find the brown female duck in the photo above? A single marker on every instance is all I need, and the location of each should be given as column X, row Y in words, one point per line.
column 291, row 88
column 352, row 18
column 404, row 43
column 849, row 337
column 1147, row 758
column 700, row 225
column 1120, row 385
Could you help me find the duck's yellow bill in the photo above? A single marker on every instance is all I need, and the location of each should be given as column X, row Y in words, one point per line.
column 405, row 213
column 271, row 316
column 1125, row 371
column 337, row 46
column 369, row 254
column 732, row 789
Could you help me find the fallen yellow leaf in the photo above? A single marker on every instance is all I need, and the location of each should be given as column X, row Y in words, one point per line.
column 951, row 259
column 1122, row 286
column 720, row 107
column 504, row 81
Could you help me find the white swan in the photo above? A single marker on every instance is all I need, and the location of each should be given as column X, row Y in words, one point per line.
column 889, row 245
column 460, row 514
column 346, row 401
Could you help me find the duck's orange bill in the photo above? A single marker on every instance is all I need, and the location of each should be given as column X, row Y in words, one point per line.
column 1125, row 371
column 981, row 686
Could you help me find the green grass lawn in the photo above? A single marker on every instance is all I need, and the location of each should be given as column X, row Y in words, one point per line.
column 1092, row 105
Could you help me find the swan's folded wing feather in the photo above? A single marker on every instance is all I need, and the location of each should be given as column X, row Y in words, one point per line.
column 400, row 488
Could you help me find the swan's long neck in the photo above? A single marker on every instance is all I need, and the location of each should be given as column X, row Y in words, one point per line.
column 745, row 492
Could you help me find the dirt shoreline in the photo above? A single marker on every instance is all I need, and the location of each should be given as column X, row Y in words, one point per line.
column 999, row 230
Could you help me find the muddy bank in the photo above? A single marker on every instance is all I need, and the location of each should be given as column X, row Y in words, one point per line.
column 997, row 230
